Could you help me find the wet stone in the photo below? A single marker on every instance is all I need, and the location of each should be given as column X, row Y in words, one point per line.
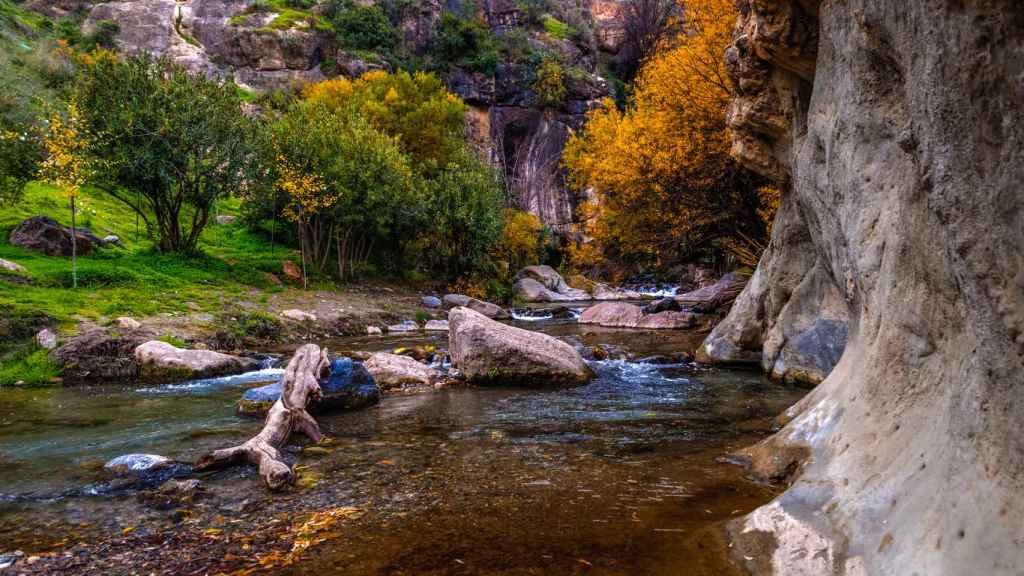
column 348, row 387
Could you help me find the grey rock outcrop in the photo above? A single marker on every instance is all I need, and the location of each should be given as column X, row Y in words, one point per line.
column 897, row 137
column 489, row 352
column 100, row 355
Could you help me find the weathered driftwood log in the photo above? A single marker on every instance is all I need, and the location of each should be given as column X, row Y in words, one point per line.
column 301, row 385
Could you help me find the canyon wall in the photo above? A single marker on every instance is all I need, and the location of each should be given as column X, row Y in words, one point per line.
column 898, row 128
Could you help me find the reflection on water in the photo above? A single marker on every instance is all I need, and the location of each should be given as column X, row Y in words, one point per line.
column 618, row 475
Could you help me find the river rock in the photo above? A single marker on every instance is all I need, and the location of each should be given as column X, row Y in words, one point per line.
column 46, row 339
column 373, row 331
column 12, row 267
column 159, row 360
column 431, row 302
column 349, row 386
column 406, row 326
column 544, row 284
column 486, row 308
column 626, row 315
column 436, row 326
column 46, row 235
column 395, row 371
column 612, row 314
column 490, row 352
column 100, row 355
column 296, row 315
column 136, row 464
column 605, row 292
column 113, row 240
column 663, row 305
column 717, row 295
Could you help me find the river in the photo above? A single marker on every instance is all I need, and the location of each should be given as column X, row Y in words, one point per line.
column 622, row 476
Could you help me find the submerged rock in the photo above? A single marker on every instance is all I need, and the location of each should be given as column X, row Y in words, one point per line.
column 159, row 360
column 396, row 371
column 349, row 386
column 136, row 464
column 490, row 352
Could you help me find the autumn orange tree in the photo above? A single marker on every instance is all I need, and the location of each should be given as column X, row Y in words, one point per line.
column 664, row 186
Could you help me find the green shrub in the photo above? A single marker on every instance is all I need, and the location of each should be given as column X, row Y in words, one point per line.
column 556, row 27
column 549, row 85
column 465, row 42
column 364, row 28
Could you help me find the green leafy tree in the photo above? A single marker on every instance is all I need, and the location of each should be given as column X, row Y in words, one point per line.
column 465, row 207
column 165, row 142
column 347, row 186
column 465, row 42
column 416, row 109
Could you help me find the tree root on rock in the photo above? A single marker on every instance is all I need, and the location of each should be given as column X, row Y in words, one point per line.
column 301, row 385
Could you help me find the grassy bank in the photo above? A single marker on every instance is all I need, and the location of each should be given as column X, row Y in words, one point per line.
column 136, row 280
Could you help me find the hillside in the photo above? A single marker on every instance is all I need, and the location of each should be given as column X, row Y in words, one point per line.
column 489, row 53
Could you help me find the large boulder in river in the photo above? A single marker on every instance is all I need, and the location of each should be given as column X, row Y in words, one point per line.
column 393, row 371
column 544, row 284
column 100, row 355
column 716, row 295
column 349, row 386
column 490, row 352
column 485, row 308
column 158, row 360
column 626, row 315
column 46, row 235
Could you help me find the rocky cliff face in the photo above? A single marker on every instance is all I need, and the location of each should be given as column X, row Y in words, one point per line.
column 237, row 40
column 897, row 125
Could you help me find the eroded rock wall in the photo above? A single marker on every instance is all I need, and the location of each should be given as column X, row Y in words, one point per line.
column 906, row 163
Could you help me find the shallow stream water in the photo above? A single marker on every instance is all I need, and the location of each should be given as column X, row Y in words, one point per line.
column 622, row 476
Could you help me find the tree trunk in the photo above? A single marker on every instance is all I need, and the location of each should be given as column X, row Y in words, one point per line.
column 74, row 247
column 301, row 383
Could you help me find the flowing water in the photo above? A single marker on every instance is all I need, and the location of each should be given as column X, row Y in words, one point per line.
column 622, row 476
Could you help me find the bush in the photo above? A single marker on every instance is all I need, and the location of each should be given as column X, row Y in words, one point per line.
column 549, row 84
column 364, row 28
column 466, row 43
column 522, row 239
column 20, row 154
column 557, row 28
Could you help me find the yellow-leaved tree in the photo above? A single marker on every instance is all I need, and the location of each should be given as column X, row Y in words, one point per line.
column 67, row 165
column 663, row 186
